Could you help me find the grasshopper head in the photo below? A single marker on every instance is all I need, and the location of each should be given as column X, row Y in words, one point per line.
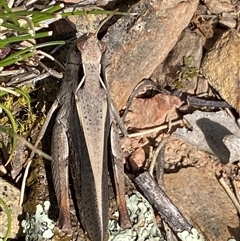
column 91, row 50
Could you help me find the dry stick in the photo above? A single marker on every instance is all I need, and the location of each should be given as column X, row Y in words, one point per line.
column 230, row 193
column 51, row 71
column 140, row 86
column 11, row 72
column 155, row 155
column 236, row 191
column 171, row 215
column 160, row 201
column 23, row 185
column 21, row 77
column 193, row 101
column 51, row 58
column 34, row 79
column 8, row 90
column 159, row 155
column 155, row 129
column 116, row 116
column 40, row 136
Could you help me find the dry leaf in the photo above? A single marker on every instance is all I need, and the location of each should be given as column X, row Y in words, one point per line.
column 153, row 111
column 137, row 159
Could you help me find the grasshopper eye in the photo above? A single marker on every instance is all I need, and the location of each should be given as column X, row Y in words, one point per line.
column 81, row 45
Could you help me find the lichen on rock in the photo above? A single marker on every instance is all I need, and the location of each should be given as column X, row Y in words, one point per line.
column 38, row 226
column 144, row 226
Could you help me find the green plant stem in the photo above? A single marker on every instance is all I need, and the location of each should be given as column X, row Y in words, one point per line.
column 14, row 127
column 25, row 53
column 45, row 14
column 9, row 218
column 11, row 26
column 26, row 143
column 20, row 38
column 95, row 11
column 8, row 10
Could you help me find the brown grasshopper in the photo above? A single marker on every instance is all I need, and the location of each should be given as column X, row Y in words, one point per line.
column 83, row 128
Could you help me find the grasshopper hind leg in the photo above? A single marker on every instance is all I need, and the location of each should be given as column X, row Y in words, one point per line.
column 60, row 151
column 117, row 167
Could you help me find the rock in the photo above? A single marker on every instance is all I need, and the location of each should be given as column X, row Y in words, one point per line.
column 208, row 132
column 142, row 218
column 190, row 44
column 198, row 195
column 219, row 6
column 221, row 67
column 10, row 195
column 232, row 142
column 137, row 44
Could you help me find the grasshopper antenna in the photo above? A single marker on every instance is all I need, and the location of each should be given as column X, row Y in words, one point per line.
column 104, row 21
column 88, row 21
column 101, row 24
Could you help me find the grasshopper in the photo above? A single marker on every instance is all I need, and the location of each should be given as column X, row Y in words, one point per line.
column 83, row 129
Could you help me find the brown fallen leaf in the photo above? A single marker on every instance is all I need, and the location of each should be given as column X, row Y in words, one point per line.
column 137, row 159
column 151, row 112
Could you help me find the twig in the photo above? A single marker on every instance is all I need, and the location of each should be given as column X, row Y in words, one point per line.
column 35, row 79
column 230, row 193
column 23, row 185
column 155, row 129
column 8, row 90
column 236, row 190
column 155, row 155
column 140, row 86
column 193, row 101
column 161, row 202
column 52, row 58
